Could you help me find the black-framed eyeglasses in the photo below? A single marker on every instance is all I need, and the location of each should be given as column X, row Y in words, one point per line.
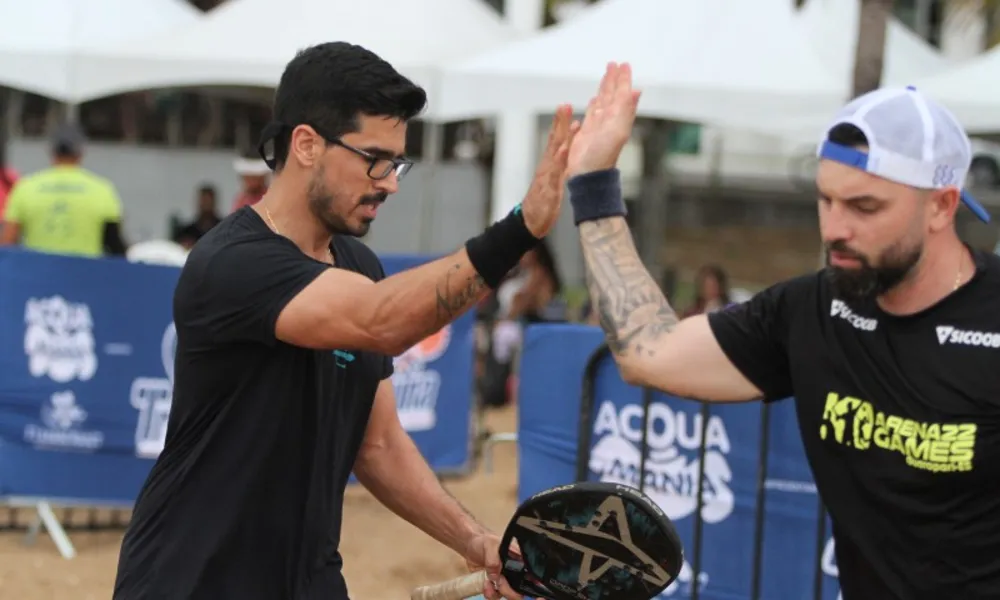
column 379, row 167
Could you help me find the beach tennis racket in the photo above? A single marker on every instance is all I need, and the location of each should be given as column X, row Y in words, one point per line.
column 583, row 541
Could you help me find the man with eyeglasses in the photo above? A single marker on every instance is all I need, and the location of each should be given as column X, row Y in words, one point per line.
column 286, row 328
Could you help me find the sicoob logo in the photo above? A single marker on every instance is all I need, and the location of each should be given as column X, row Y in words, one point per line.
column 59, row 339
column 839, row 309
column 946, row 334
column 416, row 384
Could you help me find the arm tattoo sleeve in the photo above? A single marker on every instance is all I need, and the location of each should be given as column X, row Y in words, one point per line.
column 633, row 311
column 455, row 294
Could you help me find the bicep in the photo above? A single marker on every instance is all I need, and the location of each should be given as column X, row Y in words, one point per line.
column 335, row 310
column 689, row 362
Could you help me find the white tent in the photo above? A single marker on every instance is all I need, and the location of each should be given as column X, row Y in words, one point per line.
column 833, row 29
column 971, row 90
column 249, row 42
column 43, row 40
column 701, row 60
column 832, row 26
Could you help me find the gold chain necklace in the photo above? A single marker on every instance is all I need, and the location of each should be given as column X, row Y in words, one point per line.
column 270, row 220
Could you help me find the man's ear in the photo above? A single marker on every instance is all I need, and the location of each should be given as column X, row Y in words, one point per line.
column 941, row 207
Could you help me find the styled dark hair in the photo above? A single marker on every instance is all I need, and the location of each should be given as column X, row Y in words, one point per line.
column 329, row 86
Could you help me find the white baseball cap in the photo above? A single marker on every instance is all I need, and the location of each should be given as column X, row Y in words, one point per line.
column 912, row 140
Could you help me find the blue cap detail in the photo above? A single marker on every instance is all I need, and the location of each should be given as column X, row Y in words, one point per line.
column 859, row 160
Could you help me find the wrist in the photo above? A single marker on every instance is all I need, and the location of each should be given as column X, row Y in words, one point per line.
column 497, row 250
column 596, row 195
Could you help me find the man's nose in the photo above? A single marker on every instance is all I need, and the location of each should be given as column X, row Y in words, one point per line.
column 389, row 185
column 833, row 223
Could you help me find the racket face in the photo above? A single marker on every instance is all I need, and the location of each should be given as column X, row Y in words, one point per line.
column 591, row 541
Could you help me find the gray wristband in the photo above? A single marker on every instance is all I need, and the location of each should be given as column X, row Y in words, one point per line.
column 596, row 195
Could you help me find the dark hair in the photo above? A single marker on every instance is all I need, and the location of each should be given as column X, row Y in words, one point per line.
column 546, row 260
column 330, row 85
column 719, row 274
column 207, row 188
column 848, row 135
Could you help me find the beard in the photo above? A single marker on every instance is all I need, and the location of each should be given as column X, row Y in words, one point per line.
column 324, row 206
column 870, row 281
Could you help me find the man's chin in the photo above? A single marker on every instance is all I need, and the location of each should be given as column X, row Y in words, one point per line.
column 851, row 284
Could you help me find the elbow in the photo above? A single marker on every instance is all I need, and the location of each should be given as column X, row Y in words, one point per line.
column 630, row 371
column 389, row 335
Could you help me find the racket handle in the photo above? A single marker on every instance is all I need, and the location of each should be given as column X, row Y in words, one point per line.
column 460, row 588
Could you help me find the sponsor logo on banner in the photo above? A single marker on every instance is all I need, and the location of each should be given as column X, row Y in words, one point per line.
column 684, row 584
column 672, row 465
column 152, row 396
column 59, row 339
column 417, row 383
column 829, row 563
column 62, row 426
column 672, row 462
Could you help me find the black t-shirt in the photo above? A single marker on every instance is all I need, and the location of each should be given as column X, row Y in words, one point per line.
column 245, row 501
column 900, row 418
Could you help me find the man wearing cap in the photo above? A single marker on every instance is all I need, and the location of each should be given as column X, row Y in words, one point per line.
column 65, row 209
column 254, row 174
column 891, row 352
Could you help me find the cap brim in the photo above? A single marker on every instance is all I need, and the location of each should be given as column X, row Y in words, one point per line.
column 977, row 209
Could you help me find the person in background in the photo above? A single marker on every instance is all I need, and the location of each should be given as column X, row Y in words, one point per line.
column 8, row 177
column 711, row 291
column 254, row 176
column 530, row 296
column 206, row 218
column 536, row 298
column 65, row 209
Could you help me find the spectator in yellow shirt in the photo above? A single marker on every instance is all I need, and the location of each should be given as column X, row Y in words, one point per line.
column 65, row 209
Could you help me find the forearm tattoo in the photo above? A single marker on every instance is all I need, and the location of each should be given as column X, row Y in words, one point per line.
column 455, row 294
column 633, row 311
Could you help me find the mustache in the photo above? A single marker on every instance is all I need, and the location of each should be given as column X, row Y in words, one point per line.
column 841, row 247
column 375, row 199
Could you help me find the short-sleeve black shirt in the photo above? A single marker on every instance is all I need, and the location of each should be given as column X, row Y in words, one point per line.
column 245, row 500
column 900, row 419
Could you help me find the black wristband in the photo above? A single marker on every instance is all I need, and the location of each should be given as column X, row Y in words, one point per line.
column 596, row 195
column 496, row 251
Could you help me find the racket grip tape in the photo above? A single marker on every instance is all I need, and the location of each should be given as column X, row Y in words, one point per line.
column 460, row 588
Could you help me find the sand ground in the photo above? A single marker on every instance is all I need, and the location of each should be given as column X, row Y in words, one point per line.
column 384, row 556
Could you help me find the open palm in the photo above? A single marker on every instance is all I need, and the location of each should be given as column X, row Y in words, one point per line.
column 607, row 124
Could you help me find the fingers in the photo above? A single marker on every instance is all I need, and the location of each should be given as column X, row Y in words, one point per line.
column 560, row 129
column 499, row 589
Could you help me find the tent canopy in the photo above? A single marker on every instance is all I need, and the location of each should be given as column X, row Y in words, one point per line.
column 249, row 42
column 832, row 26
column 971, row 91
column 698, row 61
column 833, row 29
column 43, row 40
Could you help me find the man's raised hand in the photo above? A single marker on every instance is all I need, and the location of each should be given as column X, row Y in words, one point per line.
column 544, row 198
column 607, row 125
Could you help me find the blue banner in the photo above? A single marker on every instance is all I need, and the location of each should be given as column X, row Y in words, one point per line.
column 87, row 367
column 680, row 436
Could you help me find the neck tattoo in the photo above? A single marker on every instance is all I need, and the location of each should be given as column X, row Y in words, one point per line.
column 329, row 252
